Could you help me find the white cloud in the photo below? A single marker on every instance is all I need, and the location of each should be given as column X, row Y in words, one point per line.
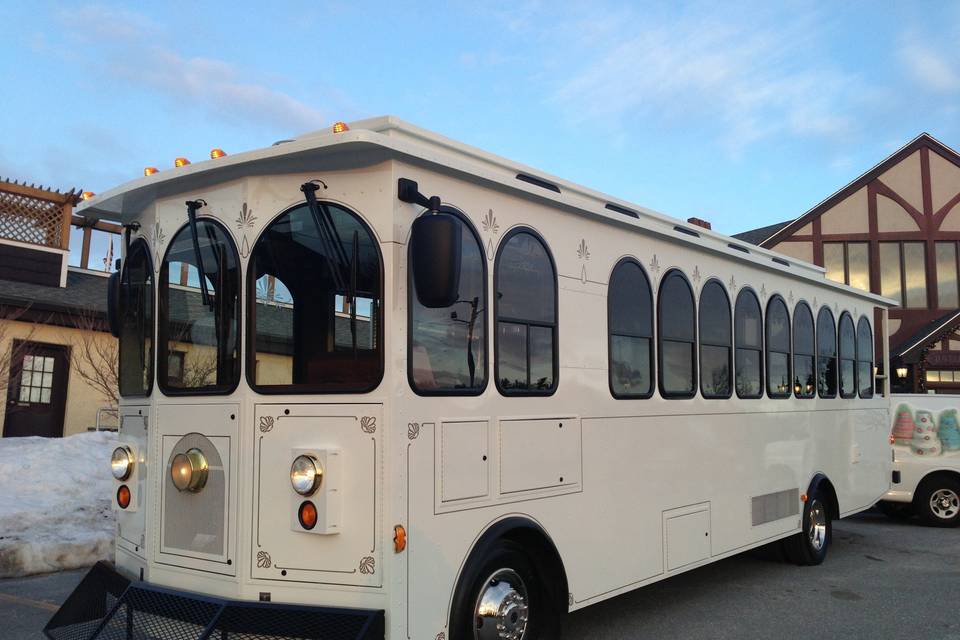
column 129, row 47
column 928, row 66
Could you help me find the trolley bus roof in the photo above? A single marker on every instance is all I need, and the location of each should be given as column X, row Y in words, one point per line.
column 375, row 139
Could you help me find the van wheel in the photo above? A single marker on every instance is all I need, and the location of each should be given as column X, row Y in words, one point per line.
column 809, row 547
column 938, row 502
column 896, row 510
column 503, row 597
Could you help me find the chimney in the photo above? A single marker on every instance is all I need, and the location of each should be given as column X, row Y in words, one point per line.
column 699, row 222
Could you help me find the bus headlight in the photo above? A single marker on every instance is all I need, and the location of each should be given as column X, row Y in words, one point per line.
column 189, row 470
column 121, row 463
column 305, row 475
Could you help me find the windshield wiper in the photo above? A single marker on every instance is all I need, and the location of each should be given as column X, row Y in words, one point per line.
column 328, row 234
column 192, row 206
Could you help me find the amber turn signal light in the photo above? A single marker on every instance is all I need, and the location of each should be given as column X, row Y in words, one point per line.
column 181, row 162
column 123, row 496
column 149, row 171
column 340, row 127
column 86, row 195
column 217, row 153
column 399, row 538
column 307, row 515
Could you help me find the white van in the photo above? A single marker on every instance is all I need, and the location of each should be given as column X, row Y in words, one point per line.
column 925, row 437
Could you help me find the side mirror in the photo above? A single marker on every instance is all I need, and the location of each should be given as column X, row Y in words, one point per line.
column 113, row 303
column 435, row 255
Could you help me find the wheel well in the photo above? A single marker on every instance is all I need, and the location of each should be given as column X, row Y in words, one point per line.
column 933, row 476
column 820, row 482
column 535, row 541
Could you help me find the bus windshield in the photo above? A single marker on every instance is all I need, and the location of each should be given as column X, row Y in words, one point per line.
column 199, row 339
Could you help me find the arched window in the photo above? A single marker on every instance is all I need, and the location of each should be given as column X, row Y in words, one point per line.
column 826, row 354
column 448, row 346
column 804, row 350
column 748, row 334
column 778, row 348
column 526, row 312
column 315, row 304
column 865, row 357
column 715, row 339
column 677, row 332
column 199, row 335
column 136, row 322
column 630, row 318
column 847, row 338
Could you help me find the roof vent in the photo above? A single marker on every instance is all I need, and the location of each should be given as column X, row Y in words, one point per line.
column 623, row 210
column 738, row 247
column 781, row 261
column 689, row 232
column 523, row 177
column 700, row 222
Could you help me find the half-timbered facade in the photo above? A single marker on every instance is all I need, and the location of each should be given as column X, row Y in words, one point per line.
column 894, row 231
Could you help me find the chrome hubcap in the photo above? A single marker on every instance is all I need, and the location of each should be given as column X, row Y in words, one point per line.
column 945, row 504
column 501, row 610
column 817, row 527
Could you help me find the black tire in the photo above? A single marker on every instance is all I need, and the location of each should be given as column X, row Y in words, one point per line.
column 543, row 616
column 896, row 510
column 809, row 547
column 937, row 501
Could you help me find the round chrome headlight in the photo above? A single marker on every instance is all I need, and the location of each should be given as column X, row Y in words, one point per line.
column 305, row 475
column 121, row 463
column 189, row 470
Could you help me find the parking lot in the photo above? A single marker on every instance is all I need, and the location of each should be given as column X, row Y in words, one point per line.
column 882, row 579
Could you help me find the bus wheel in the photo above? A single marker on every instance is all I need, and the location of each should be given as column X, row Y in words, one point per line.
column 503, row 597
column 938, row 501
column 895, row 510
column 809, row 547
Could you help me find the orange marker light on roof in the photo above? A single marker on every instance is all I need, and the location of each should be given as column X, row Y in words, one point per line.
column 217, row 153
column 181, row 162
column 149, row 171
column 86, row 195
column 340, row 127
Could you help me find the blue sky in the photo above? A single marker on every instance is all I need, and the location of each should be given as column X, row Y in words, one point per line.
column 743, row 114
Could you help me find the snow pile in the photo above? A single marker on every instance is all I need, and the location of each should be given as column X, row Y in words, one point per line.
column 56, row 508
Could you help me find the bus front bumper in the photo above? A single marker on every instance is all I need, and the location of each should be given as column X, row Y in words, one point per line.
column 108, row 605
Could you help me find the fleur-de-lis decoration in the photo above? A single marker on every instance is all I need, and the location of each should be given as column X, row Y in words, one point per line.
column 790, row 297
column 582, row 251
column 732, row 284
column 763, row 291
column 263, row 560
column 815, row 305
column 413, row 430
column 368, row 565
column 489, row 222
column 368, row 424
column 836, row 309
column 158, row 239
column 246, row 218
column 266, row 423
column 696, row 276
column 655, row 265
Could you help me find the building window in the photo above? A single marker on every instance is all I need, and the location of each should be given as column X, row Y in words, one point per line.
column 942, row 376
column 803, row 352
column 903, row 273
column 748, row 333
column 826, row 354
column 715, row 339
column 36, row 379
column 947, row 293
column 778, row 348
column 448, row 344
column 865, row 358
column 676, row 322
column 848, row 262
column 847, row 338
column 630, row 310
column 526, row 311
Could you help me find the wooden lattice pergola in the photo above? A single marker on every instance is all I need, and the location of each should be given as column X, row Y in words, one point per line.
column 36, row 215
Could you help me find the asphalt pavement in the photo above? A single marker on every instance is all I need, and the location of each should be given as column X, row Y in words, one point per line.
column 882, row 579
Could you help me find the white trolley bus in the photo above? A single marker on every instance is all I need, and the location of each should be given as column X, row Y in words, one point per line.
column 380, row 384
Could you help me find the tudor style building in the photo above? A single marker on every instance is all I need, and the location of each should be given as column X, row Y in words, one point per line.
column 894, row 231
